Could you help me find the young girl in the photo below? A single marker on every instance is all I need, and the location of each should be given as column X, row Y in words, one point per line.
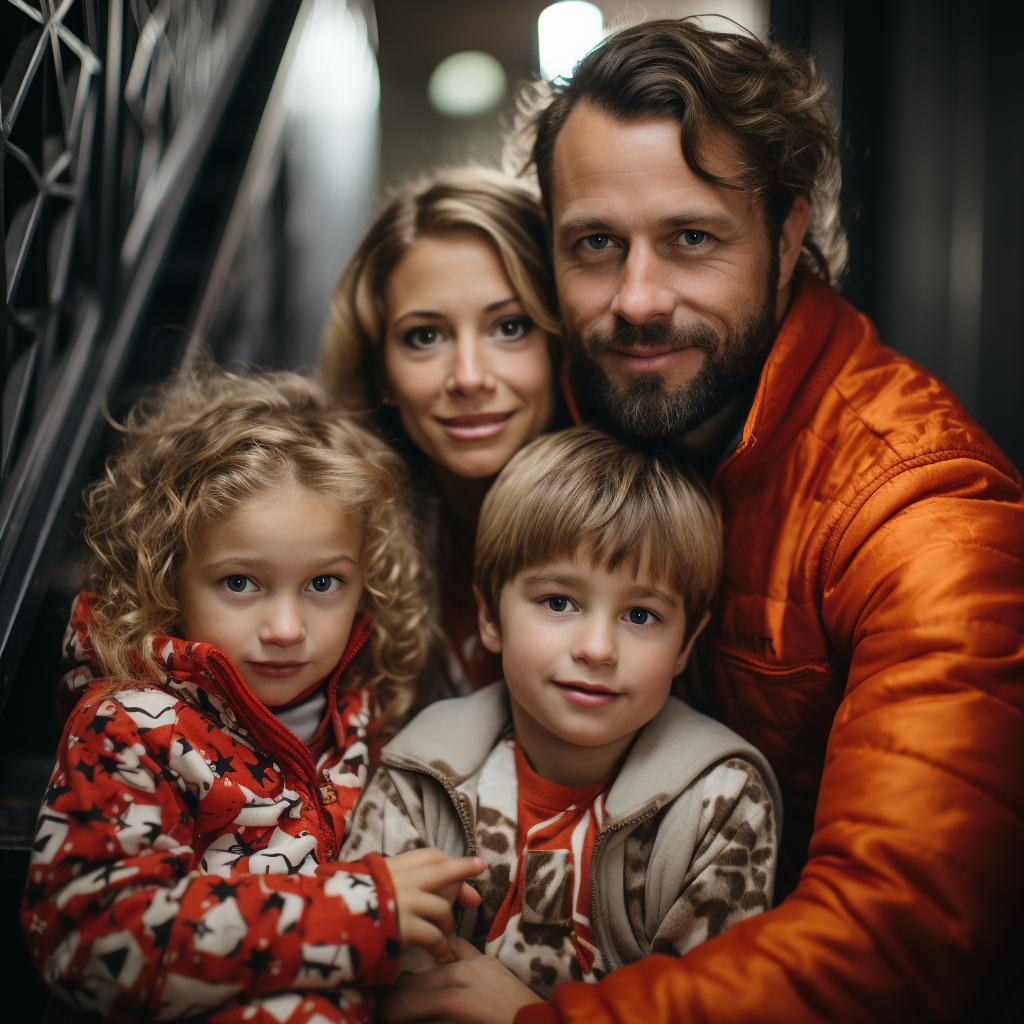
column 258, row 599
column 444, row 331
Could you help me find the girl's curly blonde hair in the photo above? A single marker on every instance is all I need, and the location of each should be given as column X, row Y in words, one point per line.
column 193, row 454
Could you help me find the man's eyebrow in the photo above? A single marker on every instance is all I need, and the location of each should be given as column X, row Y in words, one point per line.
column 601, row 226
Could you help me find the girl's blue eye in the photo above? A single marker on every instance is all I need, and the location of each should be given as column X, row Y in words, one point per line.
column 323, row 584
column 556, row 603
column 640, row 616
column 598, row 241
column 692, row 238
column 236, row 584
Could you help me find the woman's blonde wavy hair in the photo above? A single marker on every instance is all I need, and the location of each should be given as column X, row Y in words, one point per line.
column 193, row 454
column 506, row 212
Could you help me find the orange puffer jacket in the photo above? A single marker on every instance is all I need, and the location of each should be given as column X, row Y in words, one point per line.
column 869, row 638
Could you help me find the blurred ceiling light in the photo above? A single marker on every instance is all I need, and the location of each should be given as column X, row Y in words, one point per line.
column 466, row 84
column 566, row 33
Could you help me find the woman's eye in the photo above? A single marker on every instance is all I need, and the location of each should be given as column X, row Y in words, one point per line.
column 422, row 337
column 557, row 603
column 597, row 241
column 238, row 584
column 324, row 584
column 641, row 616
column 693, row 238
column 512, row 328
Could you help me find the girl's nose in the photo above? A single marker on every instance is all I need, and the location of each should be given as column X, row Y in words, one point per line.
column 283, row 625
column 470, row 370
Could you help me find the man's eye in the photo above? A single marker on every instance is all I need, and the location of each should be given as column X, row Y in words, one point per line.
column 556, row 603
column 641, row 616
column 422, row 337
column 324, row 584
column 693, row 238
column 512, row 328
column 597, row 241
column 238, row 584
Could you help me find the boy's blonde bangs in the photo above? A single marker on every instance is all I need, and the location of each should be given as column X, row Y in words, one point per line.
column 583, row 493
column 199, row 449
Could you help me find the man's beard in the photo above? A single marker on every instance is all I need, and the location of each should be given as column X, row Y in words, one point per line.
column 643, row 407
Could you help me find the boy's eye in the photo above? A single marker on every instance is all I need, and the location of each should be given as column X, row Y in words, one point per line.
column 238, row 584
column 557, row 603
column 691, row 239
column 597, row 242
column 641, row 616
column 324, row 584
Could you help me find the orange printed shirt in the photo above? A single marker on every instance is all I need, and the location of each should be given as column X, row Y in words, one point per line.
column 550, row 882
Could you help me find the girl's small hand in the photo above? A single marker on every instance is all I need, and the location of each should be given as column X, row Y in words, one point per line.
column 427, row 883
column 476, row 989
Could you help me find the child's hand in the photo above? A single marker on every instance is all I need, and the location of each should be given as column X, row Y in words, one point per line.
column 476, row 989
column 427, row 883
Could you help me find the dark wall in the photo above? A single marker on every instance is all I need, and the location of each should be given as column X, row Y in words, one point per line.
column 931, row 95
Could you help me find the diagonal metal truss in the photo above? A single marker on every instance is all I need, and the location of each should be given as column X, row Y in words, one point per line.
column 107, row 111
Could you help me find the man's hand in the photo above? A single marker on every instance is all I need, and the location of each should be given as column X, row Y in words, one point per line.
column 476, row 989
column 427, row 883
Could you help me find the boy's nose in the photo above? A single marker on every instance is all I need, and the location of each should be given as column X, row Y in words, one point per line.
column 283, row 625
column 594, row 643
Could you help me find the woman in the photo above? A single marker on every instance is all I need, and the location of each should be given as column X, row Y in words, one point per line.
column 443, row 331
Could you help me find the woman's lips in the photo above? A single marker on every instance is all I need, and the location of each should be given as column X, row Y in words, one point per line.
column 587, row 695
column 277, row 669
column 475, row 426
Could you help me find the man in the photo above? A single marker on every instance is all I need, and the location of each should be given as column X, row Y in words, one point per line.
column 868, row 635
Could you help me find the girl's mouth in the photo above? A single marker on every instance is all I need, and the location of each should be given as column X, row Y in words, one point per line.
column 587, row 695
column 476, row 425
column 277, row 669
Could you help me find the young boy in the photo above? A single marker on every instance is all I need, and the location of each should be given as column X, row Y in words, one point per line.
column 615, row 821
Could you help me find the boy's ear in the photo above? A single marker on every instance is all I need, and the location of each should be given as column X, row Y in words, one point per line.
column 684, row 654
column 490, row 631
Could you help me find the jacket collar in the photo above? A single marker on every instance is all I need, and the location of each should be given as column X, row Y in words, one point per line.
column 666, row 756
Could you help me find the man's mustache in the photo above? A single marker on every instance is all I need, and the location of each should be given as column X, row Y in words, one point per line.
column 656, row 333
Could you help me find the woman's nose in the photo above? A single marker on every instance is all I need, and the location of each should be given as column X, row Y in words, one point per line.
column 471, row 371
column 282, row 626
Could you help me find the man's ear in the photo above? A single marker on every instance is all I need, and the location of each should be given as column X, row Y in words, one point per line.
column 684, row 654
column 791, row 237
column 490, row 631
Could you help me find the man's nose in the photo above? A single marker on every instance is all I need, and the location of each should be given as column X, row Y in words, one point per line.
column 644, row 291
column 594, row 641
column 282, row 624
column 470, row 371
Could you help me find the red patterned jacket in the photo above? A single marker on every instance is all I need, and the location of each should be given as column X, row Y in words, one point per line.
column 184, row 855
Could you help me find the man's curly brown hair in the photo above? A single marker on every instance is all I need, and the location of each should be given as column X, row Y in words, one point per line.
column 765, row 96
column 196, row 451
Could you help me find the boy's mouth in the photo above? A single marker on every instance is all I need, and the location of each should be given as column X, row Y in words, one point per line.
column 587, row 695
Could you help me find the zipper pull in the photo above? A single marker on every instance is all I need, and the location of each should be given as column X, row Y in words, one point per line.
column 327, row 791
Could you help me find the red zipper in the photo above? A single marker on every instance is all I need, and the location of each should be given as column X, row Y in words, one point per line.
column 263, row 724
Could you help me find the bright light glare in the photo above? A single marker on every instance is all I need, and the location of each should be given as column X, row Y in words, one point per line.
column 466, row 84
column 566, row 33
